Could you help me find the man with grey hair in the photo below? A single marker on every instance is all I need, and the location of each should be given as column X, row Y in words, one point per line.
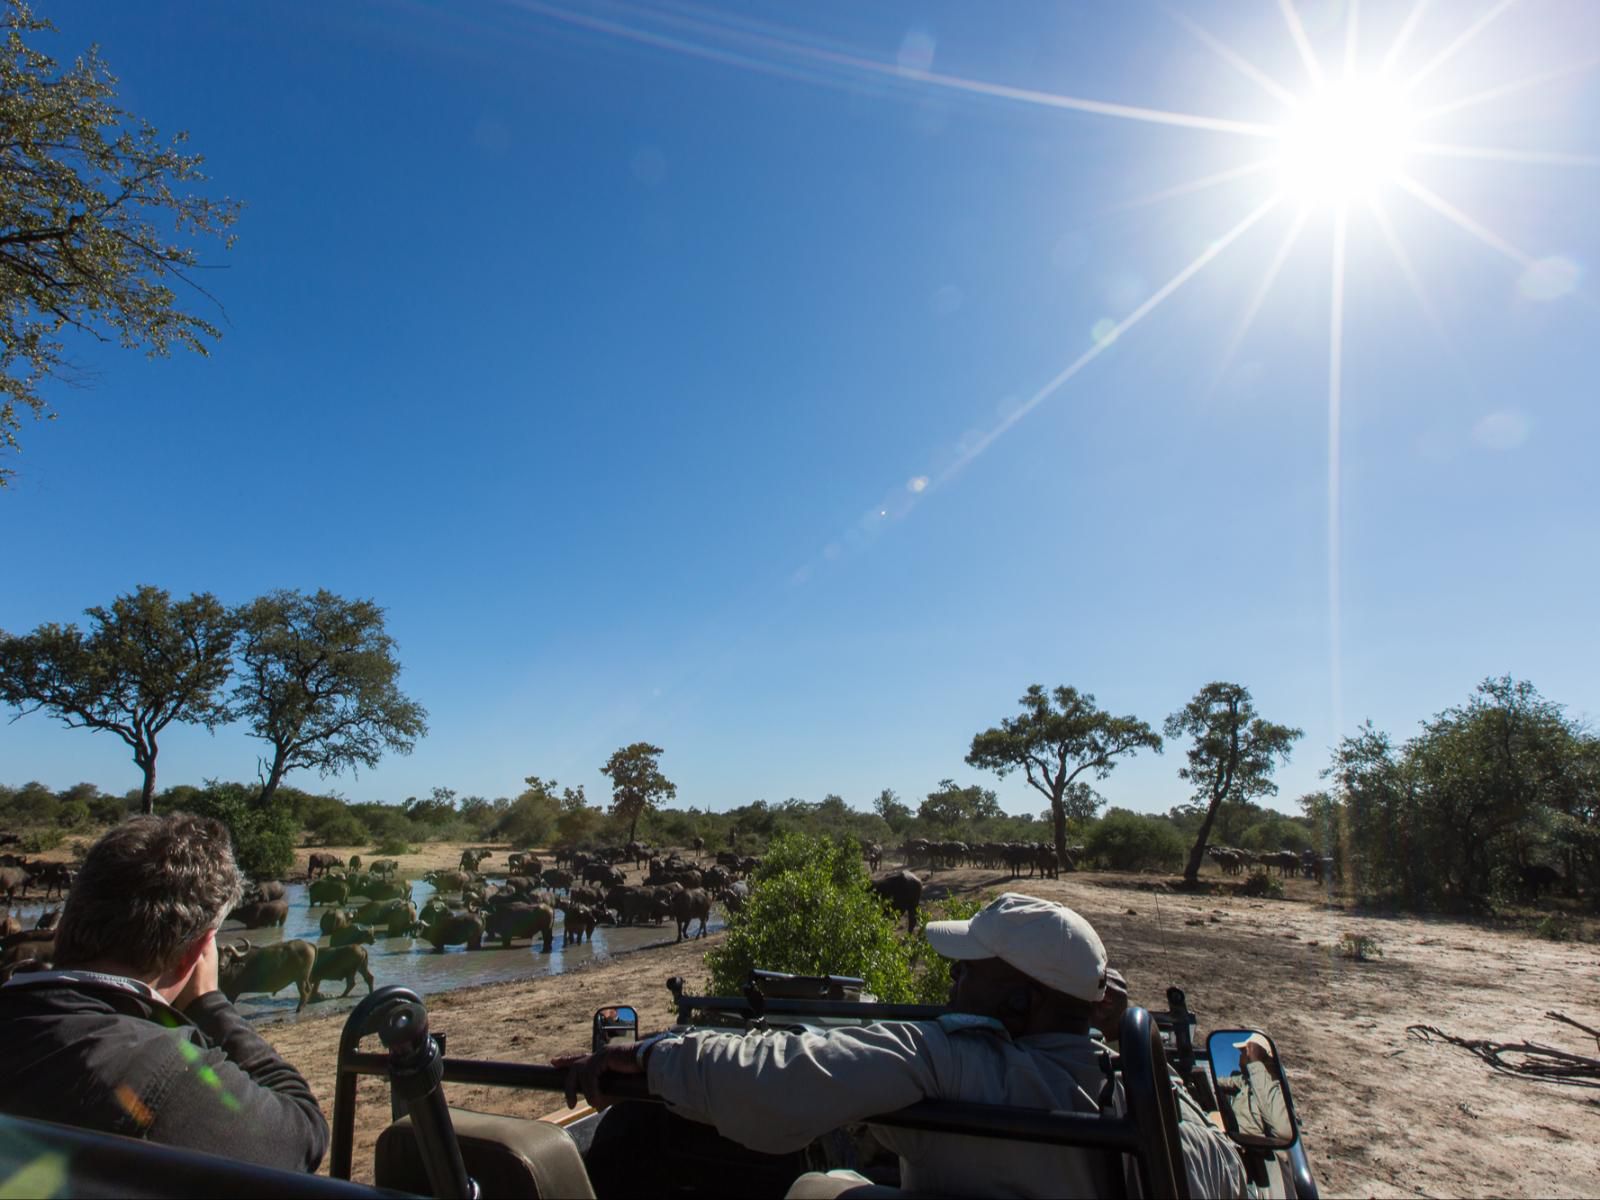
column 129, row 1034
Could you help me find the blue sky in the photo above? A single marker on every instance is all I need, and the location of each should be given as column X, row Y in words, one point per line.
column 666, row 373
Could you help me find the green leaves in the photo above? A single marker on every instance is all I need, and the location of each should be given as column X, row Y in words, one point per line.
column 1058, row 737
column 318, row 682
column 811, row 912
column 98, row 213
column 1231, row 757
column 637, row 784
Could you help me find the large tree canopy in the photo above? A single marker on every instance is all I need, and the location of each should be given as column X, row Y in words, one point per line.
column 144, row 663
column 637, row 784
column 1055, row 743
column 1232, row 757
column 318, row 683
column 97, row 221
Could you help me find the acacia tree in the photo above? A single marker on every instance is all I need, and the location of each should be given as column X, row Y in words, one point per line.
column 144, row 663
column 637, row 784
column 97, row 216
column 1232, row 757
column 1055, row 743
column 317, row 683
column 950, row 806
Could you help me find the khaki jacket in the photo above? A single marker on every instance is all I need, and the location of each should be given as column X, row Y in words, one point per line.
column 1256, row 1098
column 776, row 1092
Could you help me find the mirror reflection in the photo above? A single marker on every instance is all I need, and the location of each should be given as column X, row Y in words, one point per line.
column 614, row 1024
column 1250, row 1088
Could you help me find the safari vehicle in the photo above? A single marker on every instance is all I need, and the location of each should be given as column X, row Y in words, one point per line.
column 640, row 1148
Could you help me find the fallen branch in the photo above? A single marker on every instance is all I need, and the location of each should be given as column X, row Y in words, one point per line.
column 1562, row 1017
column 1549, row 1063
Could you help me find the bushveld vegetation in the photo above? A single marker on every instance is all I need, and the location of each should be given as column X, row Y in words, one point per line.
column 1493, row 802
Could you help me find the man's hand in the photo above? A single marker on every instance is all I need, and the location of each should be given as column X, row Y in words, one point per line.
column 584, row 1070
column 204, row 977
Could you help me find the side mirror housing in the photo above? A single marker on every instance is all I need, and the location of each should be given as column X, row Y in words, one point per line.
column 613, row 1024
column 1252, row 1092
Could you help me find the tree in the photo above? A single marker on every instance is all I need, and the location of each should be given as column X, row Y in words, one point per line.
column 1055, row 745
column 439, row 808
column 637, row 784
column 317, row 683
column 896, row 815
column 145, row 663
column 952, row 807
column 1233, row 755
column 533, row 815
column 577, row 820
column 97, row 217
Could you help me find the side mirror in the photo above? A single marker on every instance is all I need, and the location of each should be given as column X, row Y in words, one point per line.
column 1252, row 1093
column 614, row 1024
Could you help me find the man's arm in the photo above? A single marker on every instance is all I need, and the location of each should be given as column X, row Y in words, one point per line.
column 1209, row 1158
column 775, row 1092
column 240, row 1098
column 1268, row 1092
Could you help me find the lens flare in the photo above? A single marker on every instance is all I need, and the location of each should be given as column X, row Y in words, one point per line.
column 1344, row 142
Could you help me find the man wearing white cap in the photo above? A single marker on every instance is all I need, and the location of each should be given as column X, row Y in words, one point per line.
column 1254, row 1094
column 1026, row 973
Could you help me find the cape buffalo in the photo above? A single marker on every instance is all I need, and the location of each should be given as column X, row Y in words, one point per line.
column 270, row 889
column 340, row 962
column 351, row 935
column 903, row 892
column 319, row 864
column 261, row 914
column 686, row 906
column 556, row 879
column 455, row 929
column 328, row 891
column 335, row 919
column 242, row 968
column 519, row 920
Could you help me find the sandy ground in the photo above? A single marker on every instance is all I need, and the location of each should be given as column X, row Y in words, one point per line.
column 1383, row 1113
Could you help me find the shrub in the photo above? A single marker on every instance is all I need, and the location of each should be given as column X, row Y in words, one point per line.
column 931, row 980
column 812, row 912
column 1359, row 947
column 263, row 838
column 1262, row 884
column 1130, row 841
column 1557, row 927
column 341, row 829
column 107, row 810
column 392, row 845
column 41, row 840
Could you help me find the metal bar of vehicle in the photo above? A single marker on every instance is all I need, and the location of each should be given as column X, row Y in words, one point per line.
column 1148, row 1133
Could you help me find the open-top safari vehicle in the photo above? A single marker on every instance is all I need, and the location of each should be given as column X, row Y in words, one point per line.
column 640, row 1148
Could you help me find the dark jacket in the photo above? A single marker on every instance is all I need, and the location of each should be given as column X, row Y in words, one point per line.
column 101, row 1052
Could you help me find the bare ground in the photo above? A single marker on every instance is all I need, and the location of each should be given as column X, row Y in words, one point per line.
column 1383, row 1113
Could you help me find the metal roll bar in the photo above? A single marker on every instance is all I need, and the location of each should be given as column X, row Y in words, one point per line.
column 1148, row 1132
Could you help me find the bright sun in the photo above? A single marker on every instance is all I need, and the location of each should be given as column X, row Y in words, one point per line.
column 1342, row 143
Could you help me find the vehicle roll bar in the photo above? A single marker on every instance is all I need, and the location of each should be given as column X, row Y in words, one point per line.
column 1147, row 1133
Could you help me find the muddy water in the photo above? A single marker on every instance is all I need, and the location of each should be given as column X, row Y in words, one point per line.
column 413, row 963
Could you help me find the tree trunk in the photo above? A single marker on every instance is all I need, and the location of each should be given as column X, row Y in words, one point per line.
column 1191, row 873
column 1058, row 810
column 633, row 828
column 274, row 778
column 147, row 797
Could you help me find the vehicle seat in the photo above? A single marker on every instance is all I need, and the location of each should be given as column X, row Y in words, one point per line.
column 509, row 1157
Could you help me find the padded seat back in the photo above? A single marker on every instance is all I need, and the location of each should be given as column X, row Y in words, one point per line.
column 509, row 1157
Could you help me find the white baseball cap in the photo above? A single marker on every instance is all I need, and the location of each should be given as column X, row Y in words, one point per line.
column 1255, row 1039
column 1047, row 942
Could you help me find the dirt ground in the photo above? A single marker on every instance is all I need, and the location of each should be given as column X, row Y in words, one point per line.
column 1383, row 1113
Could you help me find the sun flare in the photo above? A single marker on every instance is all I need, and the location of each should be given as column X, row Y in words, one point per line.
column 1345, row 142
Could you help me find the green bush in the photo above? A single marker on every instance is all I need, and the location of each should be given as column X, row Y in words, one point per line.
column 41, row 840
column 1130, row 841
column 1261, row 884
column 1359, row 947
column 812, row 912
column 263, row 838
column 392, row 845
column 931, row 979
column 107, row 810
column 340, row 829
column 1557, row 927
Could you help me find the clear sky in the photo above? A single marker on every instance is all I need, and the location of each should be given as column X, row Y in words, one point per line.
column 684, row 373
